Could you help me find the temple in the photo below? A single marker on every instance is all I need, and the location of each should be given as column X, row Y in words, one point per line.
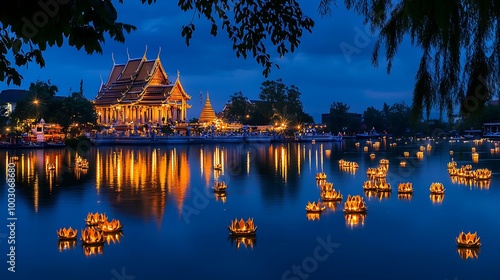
column 207, row 114
column 140, row 92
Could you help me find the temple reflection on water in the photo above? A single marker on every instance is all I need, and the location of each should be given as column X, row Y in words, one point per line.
column 144, row 180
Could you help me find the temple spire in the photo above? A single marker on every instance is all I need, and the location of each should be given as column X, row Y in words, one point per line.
column 128, row 55
column 159, row 51
column 144, row 56
column 113, row 58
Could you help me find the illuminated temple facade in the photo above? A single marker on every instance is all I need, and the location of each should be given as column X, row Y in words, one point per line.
column 140, row 92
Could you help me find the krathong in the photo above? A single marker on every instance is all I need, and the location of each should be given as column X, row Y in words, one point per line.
column 402, row 164
column 219, row 186
column 242, row 228
column 355, row 204
column 327, row 186
column 111, row 227
column 406, row 154
column 314, row 207
column 383, row 187
column 405, row 188
column 369, row 185
column 95, row 219
column 321, row 176
column 437, row 188
column 67, row 234
column 92, row 236
column 469, row 240
column 331, row 195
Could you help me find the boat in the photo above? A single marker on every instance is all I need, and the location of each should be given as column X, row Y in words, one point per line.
column 323, row 137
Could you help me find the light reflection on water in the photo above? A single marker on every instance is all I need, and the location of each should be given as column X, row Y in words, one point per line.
column 173, row 221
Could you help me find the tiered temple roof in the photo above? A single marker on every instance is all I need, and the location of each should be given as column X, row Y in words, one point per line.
column 138, row 82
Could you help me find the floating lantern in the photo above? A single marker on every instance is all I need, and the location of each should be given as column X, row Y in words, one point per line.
column 314, row 207
column 67, row 234
column 355, row 204
column 437, row 188
column 372, row 156
column 473, row 149
column 326, row 186
column 365, row 148
column 482, row 174
column 369, row 185
column 384, row 161
column 451, row 153
column 356, row 144
column 331, row 195
column 406, row 154
column 92, row 236
column 383, row 187
column 219, row 186
column 95, row 219
column 429, row 147
column 402, row 164
column 371, row 172
column 422, row 148
column 111, row 227
column 321, row 176
column 420, row 155
column 475, row 157
column 242, row 228
column 405, row 188
column 469, row 240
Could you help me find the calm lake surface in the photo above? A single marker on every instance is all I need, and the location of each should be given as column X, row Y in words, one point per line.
column 176, row 228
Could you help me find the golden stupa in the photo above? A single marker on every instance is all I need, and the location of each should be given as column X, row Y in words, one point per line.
column 207, row 113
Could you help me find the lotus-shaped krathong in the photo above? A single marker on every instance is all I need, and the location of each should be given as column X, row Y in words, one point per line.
column 420, row 155
column 370, row 172
column 219, row 186
column 95, row 219
column 355, row 204
column 422, row 148
column 92, row 236
column 384, row 161
column 365, row 149
column 468, row 253
column 452, row 165
column 482, row 174
column 331, row 195
column 242, row 228
column 314, row 207
column 437, row 188
column 469, row 240
column 402, row 164
column 93, row 250
column 67, row 234
column 111, row 227
column 64, row 245
column 369, row 185
column 326, row 186
column 406, row 154
column 383, row 186
column 372, row 156
column 405, row 188
column 321, row 176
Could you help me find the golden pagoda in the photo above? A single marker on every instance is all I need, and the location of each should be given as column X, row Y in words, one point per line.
column 140, row 91
column 207, row 114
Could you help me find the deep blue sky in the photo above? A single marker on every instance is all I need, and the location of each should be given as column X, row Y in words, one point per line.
column 318, row 67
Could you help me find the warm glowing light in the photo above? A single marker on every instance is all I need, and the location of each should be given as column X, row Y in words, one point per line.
column 312, row 216
column 95, row 219
column 64, row 245
column 406, row 154
column 436, row 198
column 314, row 207
column 405, row 188
column 372, row 156
column 468, row 253
column 469, row 240
column 248, row 242
column 242, row 228
column 420, row 155
column 355, row 219
column 402, row 164
column 437, row 188
column 92, row 236
column 67, row 234
column 321, row 176
column 90, row 250
column 111, row 227
column 365, row 148
column 355, row 204
column 451, row 153
column 219, row 186
column 475, row 157
column 331, row 195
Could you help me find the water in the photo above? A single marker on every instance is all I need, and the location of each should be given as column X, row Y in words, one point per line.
column 176, row 228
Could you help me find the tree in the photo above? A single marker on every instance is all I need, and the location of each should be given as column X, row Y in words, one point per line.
column 239, row 108
column 37, row 103
column 374, row 118
column 76, row 109
column 398, row 118
column 339, row 117
column 28, row 29
column 445, row 31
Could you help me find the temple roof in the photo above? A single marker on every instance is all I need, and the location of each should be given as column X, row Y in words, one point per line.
column 138, row 82
column 207, row 114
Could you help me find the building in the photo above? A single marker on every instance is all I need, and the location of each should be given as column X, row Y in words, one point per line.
column 10, row 97
column 207, row 114
column 140, row 92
